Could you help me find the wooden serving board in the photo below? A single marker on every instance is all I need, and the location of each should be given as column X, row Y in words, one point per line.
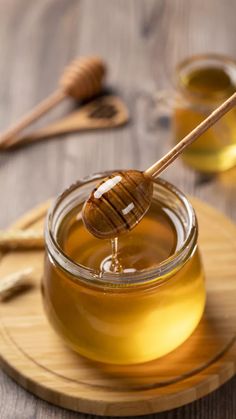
column 37, row 359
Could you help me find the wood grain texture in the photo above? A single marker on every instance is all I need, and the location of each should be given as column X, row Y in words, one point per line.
column 41, row 363
column 141, row 41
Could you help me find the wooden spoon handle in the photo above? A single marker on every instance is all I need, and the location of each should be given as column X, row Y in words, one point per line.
column 164, row 162
column 32, row 116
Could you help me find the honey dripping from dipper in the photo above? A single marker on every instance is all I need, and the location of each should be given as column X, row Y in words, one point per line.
column 114, row 208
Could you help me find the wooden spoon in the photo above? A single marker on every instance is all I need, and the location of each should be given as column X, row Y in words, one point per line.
column 104, row 112
column 120, row 201
column 82, row 79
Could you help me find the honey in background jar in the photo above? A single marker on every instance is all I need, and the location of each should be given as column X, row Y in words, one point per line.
column 140, row 314
column 203, row 83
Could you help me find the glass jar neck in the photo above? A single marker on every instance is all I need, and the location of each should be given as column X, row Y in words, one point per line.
column 214, row 69
column 166, row 194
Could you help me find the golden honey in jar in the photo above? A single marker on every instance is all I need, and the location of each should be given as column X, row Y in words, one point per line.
column 203, row 82
column 150, row 306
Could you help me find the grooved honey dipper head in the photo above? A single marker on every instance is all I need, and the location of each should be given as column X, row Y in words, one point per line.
column 117, row 204
column 83, row 77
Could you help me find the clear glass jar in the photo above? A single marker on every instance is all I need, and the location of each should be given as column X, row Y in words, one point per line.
column 202, row 83
column 131, row 317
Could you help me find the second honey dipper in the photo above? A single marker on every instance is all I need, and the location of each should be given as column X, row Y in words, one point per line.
column 82, row 79
column 121, row 200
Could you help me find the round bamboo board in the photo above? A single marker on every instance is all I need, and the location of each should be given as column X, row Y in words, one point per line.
column 37, row 359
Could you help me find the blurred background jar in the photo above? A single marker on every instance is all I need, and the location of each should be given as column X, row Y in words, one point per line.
column 202, row 82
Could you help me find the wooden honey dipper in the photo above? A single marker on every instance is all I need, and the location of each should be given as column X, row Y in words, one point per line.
column 81, row 79
column 120, row 201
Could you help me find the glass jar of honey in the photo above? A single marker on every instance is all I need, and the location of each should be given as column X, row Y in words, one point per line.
column 136, row 315
column 202, row 83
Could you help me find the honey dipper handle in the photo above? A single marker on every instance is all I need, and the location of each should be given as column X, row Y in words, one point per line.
column 39, row 110
column 164, row 162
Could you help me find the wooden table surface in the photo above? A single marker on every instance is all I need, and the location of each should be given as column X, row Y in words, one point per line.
column 141, row 40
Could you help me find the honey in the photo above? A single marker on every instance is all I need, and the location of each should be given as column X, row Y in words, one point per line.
column 138, row 249
column 203, row 82
column 150, row 306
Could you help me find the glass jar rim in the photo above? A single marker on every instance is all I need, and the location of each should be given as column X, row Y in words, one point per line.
column 224, row 61
column 90, row 276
